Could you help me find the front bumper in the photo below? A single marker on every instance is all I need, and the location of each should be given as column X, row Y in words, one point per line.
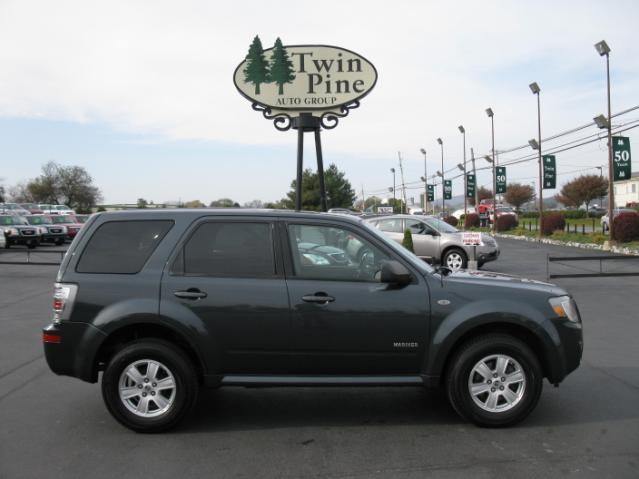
column 571, row 348
column 70, row 349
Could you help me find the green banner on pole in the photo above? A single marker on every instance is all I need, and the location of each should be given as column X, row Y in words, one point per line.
column 431, row 192
column 621, row 166
column 500, row 176
column 448, row 189
column 470, row 186
column 550, row 172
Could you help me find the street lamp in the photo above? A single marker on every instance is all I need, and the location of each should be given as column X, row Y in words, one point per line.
column 463, row 132
column 393, row 172
column 601, row 121
column 441, row 144
column 604, row 50
column 425, row 183
column 491, row 115
column 534, row 88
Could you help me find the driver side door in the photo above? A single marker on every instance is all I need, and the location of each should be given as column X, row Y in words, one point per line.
column 343, row 320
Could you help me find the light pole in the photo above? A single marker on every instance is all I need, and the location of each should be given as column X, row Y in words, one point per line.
column 536, row 145
column 600, row 168
column 441, row 143
column 424, row 179
column 472, row 157
column 393, row 172
column 491, row 115
column 463, row 132
column 604, row 50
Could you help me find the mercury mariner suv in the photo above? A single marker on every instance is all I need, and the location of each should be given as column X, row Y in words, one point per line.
column 160, row 303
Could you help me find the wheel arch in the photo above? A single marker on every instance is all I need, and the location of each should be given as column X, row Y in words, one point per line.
column 449, row 248
column 141, row 329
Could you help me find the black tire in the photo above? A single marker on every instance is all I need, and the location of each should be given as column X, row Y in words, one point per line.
column 457, row 254
column 172, row 359
column 59, row 242
column 480, row 264
column 32, row 245
column 459, row 377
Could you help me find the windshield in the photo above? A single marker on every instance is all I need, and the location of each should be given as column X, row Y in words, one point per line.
column 60, row 219
column 39, row 220
column 13, row 220
column 441, row 226
column 404, row 253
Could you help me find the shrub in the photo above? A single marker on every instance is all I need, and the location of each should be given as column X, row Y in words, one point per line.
column 575, row 214
column 451, row 220
column 471, row 221
column 506, row 222
column 407, row 242
column 553, row 222
column 626, row 227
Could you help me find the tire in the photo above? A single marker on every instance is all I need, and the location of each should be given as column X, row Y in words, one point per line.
column 455, row 259
column 31, row 245
column 480, row 264
column 59, row 242
column 489, row 407
column 165, row 406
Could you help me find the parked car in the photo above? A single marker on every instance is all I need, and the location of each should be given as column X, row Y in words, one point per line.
column 605, row 223
column 344, row 211
column 3, row 238
column 82, row 218
column 502, row 211
column 165, row 301
column 56, row 209
column 18, row 231
column 13, row 209
column 32, row 208
column 50, row 232
column 435, row 241
column 70, row 222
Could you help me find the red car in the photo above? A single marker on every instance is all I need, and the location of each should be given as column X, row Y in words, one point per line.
column 32, row 208
column 70, row 221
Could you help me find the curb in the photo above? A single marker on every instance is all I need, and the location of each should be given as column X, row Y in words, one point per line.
column 591, row 246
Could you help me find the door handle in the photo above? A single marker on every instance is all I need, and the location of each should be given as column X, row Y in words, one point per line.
column 321, row 298
column 191, row 293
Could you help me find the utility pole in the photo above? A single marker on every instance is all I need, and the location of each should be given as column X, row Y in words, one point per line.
column 423, row 151
column 363, row 199
column 401, row 172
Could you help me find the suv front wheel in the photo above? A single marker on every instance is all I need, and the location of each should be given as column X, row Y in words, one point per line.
column 149, row 385
column 494, row 380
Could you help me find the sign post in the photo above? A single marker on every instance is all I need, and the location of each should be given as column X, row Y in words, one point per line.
column 550, row 172
column 304, row 87
column 448, row 189
column 621, row 158
column 500, row 179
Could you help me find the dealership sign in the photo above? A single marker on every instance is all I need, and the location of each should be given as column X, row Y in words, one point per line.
column 621, row 158
column 304, row 78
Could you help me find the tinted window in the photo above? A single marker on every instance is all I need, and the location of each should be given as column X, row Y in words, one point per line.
column 323, row 252
column 393, row 225
column 228, row 249
column 122, row 247
column 416, row 227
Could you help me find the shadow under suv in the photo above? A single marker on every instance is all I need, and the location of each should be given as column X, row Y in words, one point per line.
column 164, row 302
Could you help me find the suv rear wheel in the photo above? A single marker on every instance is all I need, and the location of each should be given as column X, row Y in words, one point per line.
column 149, row 385
column 494, row 381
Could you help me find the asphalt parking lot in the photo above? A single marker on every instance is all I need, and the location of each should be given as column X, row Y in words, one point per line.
column 588, row 427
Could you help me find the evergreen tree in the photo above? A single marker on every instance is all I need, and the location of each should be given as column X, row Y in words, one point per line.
column 281, row 67
column 339, row 192
column 407, row 242
column 256, row 70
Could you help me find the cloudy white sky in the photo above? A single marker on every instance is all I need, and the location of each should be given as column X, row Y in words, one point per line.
column 141, row 92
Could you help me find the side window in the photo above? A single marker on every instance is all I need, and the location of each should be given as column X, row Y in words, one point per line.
column 228, row 249
column 333, row 253
column 122, row 247
column 416, row 227
column 391, row 225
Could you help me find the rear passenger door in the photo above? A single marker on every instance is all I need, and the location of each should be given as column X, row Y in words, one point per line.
column 226, row 279
column 426, row 240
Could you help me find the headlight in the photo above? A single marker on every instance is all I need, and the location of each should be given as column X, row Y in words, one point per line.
column 488, row 240
column 565, row 307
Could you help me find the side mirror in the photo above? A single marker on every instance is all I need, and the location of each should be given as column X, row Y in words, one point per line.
column 393, row 272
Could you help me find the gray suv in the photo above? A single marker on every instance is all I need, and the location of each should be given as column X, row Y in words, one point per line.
column 436, row 241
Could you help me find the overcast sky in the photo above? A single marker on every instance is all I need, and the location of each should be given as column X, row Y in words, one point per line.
column 141, row 92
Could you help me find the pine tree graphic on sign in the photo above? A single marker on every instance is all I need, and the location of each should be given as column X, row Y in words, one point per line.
column 281, row 67
column 256, row 70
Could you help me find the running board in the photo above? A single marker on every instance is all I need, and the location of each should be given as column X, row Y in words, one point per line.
column 264, row 380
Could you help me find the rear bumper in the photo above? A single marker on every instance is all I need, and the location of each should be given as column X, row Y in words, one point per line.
column 70, row 349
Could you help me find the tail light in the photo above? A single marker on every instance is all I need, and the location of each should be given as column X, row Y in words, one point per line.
column 63, row 299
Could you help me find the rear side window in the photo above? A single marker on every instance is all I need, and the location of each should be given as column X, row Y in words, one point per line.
column 234, row 249
column 122, row 247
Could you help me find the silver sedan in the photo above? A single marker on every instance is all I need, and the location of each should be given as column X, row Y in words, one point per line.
column 436, row 241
